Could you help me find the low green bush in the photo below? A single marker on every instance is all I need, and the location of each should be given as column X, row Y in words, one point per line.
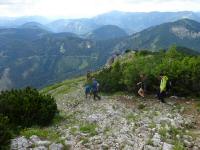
column 5, row 133
column 182, row 70
column 27, row 107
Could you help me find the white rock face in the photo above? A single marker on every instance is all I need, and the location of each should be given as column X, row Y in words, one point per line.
column 43, row 143
column 156, row 140
column 95, row 118
column 34, row 139
column 183, row 32
column 40, row 148
column 20, row 143
column 34, row 143
column 149, row 147
column 167, row 146
column 56, row 146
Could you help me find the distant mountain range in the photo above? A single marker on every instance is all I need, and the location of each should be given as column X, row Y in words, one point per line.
column 184, row 32
column 10, row 22
column 131, row 22
column 32, row 54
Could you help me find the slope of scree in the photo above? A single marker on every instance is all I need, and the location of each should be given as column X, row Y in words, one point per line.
column 117, row 121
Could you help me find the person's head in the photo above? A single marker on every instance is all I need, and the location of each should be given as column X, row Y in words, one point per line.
column 93, row 79
column 141, row 75
column 161, row 75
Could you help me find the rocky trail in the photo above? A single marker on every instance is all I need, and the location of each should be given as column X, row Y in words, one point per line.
column 119, row 122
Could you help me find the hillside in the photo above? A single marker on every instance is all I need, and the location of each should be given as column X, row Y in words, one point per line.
column 118, row 121
column 106, row 32
column 183, row 32
column 31, row 55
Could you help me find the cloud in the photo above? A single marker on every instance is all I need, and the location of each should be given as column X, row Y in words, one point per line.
column 88, row 8
column 15, row 2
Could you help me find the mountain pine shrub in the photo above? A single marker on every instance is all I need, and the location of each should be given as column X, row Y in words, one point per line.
column 5, row 133
column 183, row 71
column 27, row 107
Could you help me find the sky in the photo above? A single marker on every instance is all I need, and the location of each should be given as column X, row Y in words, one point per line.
column 90, row 8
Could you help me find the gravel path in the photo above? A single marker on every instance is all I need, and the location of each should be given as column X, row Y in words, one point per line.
column 122, row 122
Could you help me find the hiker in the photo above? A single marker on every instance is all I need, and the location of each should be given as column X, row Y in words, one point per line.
column 142, row 85
column 95, row 89
column 88, row 76
column 87, row 90
column 88, row 85
column 163, row 85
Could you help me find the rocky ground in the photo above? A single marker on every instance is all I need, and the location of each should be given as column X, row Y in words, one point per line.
column 119, row 122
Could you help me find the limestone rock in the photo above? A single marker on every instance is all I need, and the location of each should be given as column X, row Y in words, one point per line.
column 56, row 147
column 167, row 146
column 20, row 143
column 156, row 140
column 40, row 148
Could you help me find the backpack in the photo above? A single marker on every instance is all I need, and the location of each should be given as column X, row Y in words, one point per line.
column 168, row 86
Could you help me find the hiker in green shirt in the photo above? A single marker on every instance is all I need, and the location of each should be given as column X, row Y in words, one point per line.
column 163, row 86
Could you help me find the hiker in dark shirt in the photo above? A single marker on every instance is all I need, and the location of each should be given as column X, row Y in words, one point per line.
column 88, row 76
column 142, row 85
column 95, row 89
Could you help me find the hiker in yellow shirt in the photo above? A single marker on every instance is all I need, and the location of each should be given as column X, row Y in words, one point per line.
column 163, row 86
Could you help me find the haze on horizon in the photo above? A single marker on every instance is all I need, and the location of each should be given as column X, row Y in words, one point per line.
column 90, row 8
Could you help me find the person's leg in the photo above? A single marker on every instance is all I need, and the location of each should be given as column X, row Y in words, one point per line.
column 94, row 95
column 161, row 97
column 98, row 96
column 141, row 92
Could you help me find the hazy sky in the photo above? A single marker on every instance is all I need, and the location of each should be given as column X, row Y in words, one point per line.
column 89, row 8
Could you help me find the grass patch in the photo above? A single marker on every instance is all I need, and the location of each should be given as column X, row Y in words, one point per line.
column 178, row 146
column 175, row 131
column 141, row 106
column 42, row 133
column 89, row 128
column 132, row 117
column 58, row 118
column 198, row 107
column 163, row 133
column 62, row 87
column 152, row 125
column 149, row 142
column 106, row 130
column 73, row 130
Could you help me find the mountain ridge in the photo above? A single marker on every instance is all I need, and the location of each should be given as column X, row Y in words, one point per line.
column 185, row 32
column 106, row 32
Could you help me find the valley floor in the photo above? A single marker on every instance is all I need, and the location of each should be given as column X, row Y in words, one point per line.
column 116, row 122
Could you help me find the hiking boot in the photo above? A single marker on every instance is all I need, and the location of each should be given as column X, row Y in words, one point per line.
column 163, row 101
